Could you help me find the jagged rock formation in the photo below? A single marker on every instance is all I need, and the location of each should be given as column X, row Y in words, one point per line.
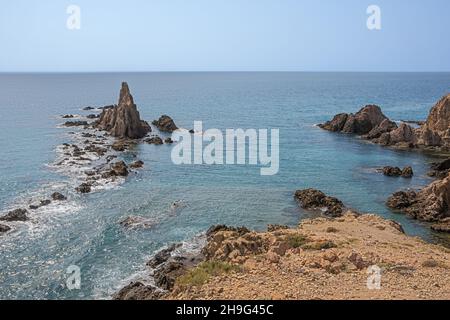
column 436, row 130
column 431, row 204
column 165, row 124
column 123, row 121
column 360, row 123
column 373, row 125
column 16, row 215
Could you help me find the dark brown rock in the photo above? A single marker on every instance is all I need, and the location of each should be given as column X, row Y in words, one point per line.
column 162, row 256
column 154, row 140
column 165, row 124
column 119, row 168
column 123, row 121
column 392, row 171
column 315, row 199
column 75, row 123
column 168, row 140
column 137, row 164
column 16, row 215
column 407, row 172
column 58, row 196
column 401, row 200
column 138, row 291
column 84, row 188
column 4, row 228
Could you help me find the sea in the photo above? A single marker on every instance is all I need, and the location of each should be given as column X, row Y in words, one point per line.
column 183, row 201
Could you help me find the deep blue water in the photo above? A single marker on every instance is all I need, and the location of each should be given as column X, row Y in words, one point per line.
column 85, row 230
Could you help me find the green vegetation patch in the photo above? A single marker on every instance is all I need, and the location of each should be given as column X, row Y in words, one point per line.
column 201, row 274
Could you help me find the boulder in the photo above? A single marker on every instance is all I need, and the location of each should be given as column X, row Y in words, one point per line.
column 138, row 291
column 440, row 169
column 16, row 215
column 401, row 200
column 88, row 108
column 119, row 168
column 75, row 123
column 4, row 228
column 162, row 256
column 165, row 124
column 403, row 136
column 168, row 140
column 336, row 124
column 84, row 188
column 136, row 222
column 137, row 164
column 154, row 140
column 316, row 199
column 58, row 196
column 67, row 116
column 407, row 172
column 392, row 171
column 123, row 121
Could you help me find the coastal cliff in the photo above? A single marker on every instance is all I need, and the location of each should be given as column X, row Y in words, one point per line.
column 320, row 259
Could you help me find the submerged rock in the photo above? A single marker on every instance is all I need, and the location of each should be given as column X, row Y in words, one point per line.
column 75, row 123
column 58, row 196
column 4, row 228
column 137, row 222
column 124, row 120
column 316, row 199
column 137, row 164
column 16, row 215
column 84, row 188
column 165, row 124
column 154, row 140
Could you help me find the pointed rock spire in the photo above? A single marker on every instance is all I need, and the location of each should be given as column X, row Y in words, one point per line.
column 123, row 121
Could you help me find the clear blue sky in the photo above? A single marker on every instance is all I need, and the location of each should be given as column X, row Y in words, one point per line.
column 229, row 35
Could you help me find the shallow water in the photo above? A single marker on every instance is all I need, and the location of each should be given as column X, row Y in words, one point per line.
column 84, row 231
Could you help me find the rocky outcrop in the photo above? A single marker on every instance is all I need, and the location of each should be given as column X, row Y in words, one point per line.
column 4, row 228
column 75, row 123
column 123, row 121
column 15, row 215
column 361, row 123
column 431, row 204
column 440, row 169
column 165, row 124
column 371, row 124
column 389, row 171
column 58, row 196
column 436, row 130
column 315, row 199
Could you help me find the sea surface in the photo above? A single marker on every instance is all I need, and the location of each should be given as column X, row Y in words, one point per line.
column 85, row 231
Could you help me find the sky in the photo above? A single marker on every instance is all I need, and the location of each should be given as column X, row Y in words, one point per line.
column 224, row 35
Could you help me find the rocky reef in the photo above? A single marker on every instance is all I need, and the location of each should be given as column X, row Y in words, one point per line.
column 371, row 124
column 123, row 121
column 317, row 200
column 165, row 124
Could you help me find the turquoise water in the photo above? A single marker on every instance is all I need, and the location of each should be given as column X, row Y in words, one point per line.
column 85, row 230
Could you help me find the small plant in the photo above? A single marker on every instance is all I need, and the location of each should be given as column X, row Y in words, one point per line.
column 332, row 230
column 296, row 240
column 320, row 245
column 201, row 274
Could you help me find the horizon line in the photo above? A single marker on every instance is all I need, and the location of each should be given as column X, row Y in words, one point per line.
column 217, row 71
